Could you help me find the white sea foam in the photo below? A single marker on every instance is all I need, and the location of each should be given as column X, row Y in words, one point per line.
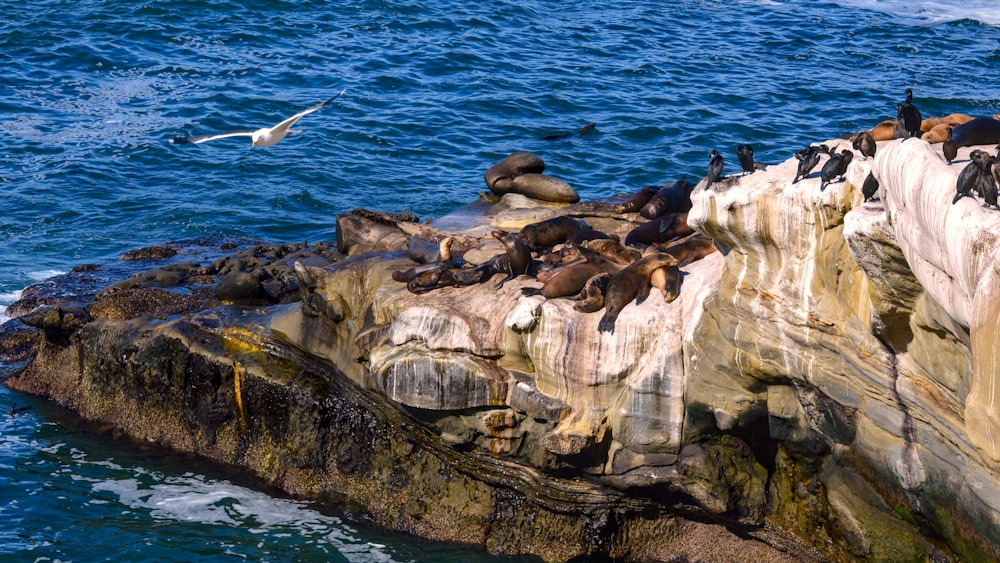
column 926, row 12
column 193, row 498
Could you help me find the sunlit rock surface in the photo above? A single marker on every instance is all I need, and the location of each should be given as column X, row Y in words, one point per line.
column 829, row 373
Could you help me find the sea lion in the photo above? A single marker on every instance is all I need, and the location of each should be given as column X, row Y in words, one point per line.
column 611, row 250
column 884, row 131
column 870, row 187
column 538, row 186
column 638, row 199
column 591, row 297
column 630, row 283
column 516, row 164
column 953, row 119
column 978, row 131
column 664, row 229
column 835, row 167
column 808, row 159
column 744, row 153
column 668, row 280
column 675, row 198
column 968, row 178
column 715, row 165
column 692, row 248
column 864, row 143
column 559, row 136
column 570, row 279
column 587, row 235
column 909, row 116
column 543, row 235
column 434, row 278
column 517, row 252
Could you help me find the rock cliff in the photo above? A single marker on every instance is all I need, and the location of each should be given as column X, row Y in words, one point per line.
column 820, row 388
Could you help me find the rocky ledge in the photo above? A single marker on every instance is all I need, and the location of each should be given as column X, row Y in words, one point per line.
column 813, row 379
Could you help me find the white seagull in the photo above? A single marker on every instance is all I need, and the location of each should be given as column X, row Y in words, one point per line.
column 263, row 137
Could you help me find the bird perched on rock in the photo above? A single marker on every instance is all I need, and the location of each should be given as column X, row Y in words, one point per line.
column 835, row 167
column 949, row 146
column 808, row 159
column 908, row 116
column 870, row 187
column 968, row 178
column 715, row 164
column 986, row 181
column 745, row 154
column 864, row 143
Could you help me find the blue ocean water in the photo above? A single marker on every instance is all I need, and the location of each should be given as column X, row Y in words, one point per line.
column 436, row 91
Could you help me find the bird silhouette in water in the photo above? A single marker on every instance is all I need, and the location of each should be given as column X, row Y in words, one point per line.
column 715, row 164
column 908, row 119
column 864, row 143
column 835, row 167
column 745, row 155
column 808, row 159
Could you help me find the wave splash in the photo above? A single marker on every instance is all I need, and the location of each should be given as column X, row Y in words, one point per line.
column 932, row 13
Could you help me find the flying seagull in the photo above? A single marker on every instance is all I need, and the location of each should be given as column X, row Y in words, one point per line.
column 263, row 137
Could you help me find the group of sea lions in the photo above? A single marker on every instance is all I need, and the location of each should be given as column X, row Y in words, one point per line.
column 599, row 270
column 574, row 261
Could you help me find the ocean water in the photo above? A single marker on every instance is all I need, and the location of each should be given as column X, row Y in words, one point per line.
column 436, row 92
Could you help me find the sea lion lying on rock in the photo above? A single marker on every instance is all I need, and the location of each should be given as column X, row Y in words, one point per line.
column 631, row 283
column 521, row 173
column 543, row 235
column 673, row 198
column 664, row 229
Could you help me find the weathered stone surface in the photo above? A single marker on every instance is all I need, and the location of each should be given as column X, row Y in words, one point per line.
column 828, row 373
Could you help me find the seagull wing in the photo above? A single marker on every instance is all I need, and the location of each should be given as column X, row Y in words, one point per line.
column 286, row 124
column 202, row 138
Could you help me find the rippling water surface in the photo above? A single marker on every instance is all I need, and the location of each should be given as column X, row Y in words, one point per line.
column 436, row 92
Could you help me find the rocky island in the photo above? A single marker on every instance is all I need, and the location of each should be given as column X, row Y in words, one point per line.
column 819, row 385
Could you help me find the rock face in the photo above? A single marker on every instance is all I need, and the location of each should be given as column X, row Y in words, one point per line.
column 824, row 385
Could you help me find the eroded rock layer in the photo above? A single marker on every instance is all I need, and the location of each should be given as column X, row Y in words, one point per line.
column 826, row 376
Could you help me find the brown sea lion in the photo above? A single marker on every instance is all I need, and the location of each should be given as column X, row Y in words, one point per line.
column 978, row 131
column 663, row 229
column 559, row 136
column 538, row 186
column 951, row 119
column 612, row 251
column 883, row 131
column 591, row 297
column 691, row 248
column 587, row 235
column 629, row 284
column 668, row 280
column 432, row 279
column 517, row 252
column 570, row 279
column 514, row 165
column 638, row 199
column 543, row 235
column 675, row 198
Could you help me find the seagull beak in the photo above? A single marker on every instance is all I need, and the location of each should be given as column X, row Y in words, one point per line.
column 254, row 144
